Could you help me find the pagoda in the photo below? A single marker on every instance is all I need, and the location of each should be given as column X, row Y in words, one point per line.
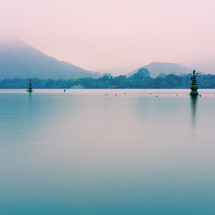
column 194, row 86
column 30, row 88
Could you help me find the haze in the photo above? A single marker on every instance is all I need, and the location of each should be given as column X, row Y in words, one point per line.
column 115, row 34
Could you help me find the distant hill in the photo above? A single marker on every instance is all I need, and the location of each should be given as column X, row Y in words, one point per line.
column 159, row 68
column 206, row 67
column 20, row 60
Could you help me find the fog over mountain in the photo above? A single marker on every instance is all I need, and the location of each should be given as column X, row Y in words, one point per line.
column 20, row 60
column 207, row 66
column 160, row 68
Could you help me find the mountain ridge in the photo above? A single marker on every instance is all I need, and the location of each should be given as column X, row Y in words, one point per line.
column 161, row 68
column 20, row 60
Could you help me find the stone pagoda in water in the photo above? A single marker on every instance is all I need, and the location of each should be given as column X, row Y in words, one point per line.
column 194, row 86
column 30, row 88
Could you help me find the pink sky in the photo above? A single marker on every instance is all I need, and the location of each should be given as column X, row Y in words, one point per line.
column 108, row 34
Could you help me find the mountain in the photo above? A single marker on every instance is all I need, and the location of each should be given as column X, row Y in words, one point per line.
column 20, row 60
column 142, row 73
column 207, row 66
column 161, row 69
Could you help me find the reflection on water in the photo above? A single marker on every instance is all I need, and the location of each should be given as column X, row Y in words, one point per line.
column 194, row 101
column 84, row 152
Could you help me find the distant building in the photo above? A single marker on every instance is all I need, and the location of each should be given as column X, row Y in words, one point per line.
column 78, row 86
column 112, row 87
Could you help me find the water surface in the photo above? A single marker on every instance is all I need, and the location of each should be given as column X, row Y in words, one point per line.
column 98, row 152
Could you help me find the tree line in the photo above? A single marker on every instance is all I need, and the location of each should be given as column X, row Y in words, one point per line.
column 139, row 80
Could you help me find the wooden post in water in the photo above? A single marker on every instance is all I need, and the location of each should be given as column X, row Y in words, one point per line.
column 194, row 86
column 30, row 88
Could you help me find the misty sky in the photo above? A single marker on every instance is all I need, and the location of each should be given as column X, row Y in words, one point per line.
column 109, row 34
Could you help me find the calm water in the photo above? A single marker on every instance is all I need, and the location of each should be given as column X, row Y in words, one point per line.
column 87, row 153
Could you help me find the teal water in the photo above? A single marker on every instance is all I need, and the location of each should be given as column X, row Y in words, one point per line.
column 101, row 152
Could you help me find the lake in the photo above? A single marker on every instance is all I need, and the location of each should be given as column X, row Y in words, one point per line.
column 107, row 152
